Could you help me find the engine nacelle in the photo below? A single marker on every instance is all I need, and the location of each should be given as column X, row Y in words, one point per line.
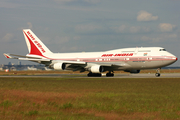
column 133, row 71
column 59, row 66
column 97, row 69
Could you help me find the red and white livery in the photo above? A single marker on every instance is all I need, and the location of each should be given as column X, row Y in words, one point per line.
column 127, row 59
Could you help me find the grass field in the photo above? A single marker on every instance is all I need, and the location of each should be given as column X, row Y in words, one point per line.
column 89, row 99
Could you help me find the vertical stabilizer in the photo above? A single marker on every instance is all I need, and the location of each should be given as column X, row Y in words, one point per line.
column 34, row 44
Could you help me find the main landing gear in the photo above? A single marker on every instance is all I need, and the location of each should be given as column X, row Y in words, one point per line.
column 158, row 72
column 94, row 74
column 109, row 74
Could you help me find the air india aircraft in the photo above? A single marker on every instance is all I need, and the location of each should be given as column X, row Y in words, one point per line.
column 127, row 59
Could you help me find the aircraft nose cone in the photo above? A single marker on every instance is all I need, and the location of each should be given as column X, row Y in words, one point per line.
column 175, row 58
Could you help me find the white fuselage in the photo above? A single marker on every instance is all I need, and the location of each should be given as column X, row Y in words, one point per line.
column 132, row 58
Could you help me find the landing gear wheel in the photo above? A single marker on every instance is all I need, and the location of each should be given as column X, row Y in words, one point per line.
column 94, row 74
column 110, row 74
column 157, row 74
column 89, row 74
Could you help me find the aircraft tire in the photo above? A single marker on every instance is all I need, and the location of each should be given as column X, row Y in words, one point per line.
column 157, row 74
column 94, row 74
column 109, row 75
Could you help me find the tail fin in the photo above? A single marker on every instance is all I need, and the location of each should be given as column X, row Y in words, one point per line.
column 34, row 44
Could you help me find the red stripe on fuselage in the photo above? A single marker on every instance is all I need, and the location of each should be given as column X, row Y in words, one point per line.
column 123, row 59
column 115, row 59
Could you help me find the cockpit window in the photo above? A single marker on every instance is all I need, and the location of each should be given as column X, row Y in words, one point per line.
column 162, row 50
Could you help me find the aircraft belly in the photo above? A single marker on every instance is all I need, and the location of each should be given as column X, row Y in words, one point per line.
column 120, row 65
column 148, row 64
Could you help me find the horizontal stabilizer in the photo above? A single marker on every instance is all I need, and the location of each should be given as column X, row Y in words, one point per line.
column 9, row 56
column 25, row 58
column 30, row 59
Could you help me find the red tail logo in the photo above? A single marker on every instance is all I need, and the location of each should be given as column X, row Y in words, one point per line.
column 36, row 42
column 30, row 35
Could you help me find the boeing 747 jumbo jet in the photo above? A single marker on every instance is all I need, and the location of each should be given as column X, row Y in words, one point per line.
column 127, row 59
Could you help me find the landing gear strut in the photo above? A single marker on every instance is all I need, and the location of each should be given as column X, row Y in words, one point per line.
column 158, row 72
column 110, row 74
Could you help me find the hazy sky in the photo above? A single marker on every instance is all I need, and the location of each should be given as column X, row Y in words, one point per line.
column 90, row 25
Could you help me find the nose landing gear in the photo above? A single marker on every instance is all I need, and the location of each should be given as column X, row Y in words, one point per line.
column 158, row 72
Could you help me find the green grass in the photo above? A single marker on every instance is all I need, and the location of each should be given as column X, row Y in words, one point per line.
column 96, row 99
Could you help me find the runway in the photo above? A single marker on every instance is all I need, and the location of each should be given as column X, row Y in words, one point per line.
column 163, row 75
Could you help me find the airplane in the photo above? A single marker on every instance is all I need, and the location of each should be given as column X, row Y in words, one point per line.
column 130, row 60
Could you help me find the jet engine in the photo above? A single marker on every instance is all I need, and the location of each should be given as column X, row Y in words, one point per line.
column 59, row 66
column 133, row 71
column 97, row 69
